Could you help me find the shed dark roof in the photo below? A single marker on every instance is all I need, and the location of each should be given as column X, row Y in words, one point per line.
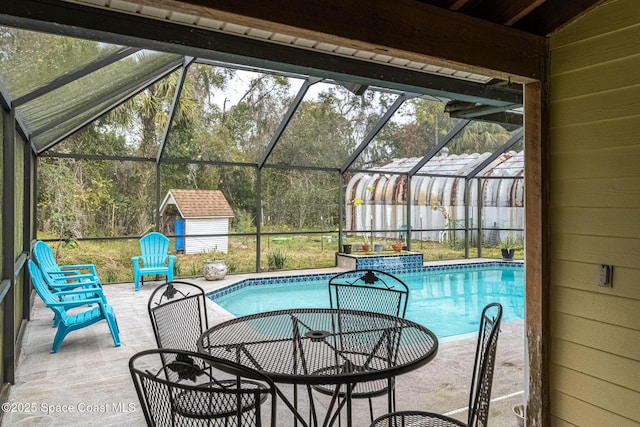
column 201, row 203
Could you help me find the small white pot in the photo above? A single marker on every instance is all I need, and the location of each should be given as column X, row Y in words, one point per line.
column 214, row 270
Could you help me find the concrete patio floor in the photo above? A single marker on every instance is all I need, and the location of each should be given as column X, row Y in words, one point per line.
column 88, row 382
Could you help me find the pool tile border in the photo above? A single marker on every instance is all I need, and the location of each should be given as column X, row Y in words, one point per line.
column 284, row 280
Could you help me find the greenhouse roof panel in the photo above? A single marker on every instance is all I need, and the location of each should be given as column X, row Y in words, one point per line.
column 509, row 164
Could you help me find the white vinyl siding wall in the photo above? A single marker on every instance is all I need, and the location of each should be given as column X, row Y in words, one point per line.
column 197, row 245
column 595, row 217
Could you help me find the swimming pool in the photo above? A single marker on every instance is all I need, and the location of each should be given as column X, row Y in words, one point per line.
column 446, row 299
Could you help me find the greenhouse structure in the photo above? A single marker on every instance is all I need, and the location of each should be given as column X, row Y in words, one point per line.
column 448, row 194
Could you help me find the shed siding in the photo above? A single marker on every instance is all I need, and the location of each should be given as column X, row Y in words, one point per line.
column 197, row 245
column 595, row 217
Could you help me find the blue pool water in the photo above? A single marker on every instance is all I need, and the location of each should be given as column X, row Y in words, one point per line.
column 446, row 300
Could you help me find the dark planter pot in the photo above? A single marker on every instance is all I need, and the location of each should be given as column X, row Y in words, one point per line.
column 507, row 254
column 346, row 249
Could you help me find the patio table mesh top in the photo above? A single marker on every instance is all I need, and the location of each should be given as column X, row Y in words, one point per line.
column 322, row 346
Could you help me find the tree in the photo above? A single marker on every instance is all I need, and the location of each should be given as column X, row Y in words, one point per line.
column 57, row 208
column 222, row 126
column 479, row 137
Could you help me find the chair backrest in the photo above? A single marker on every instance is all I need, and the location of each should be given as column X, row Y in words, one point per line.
column 178, row 315
column 369, row 290
column 44, row 257
column 177, row 387
column 482, row 378
column 48, row 266
column 42, row 289
column 154, row 249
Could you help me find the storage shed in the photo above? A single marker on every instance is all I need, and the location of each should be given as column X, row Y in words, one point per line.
column 437, row 197
column 197, row 214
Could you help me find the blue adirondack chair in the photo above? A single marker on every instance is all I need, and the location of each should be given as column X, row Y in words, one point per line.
column 98, row 310
column 67, row 277
column 62, row 277
column 59, row 288
column 154, row 258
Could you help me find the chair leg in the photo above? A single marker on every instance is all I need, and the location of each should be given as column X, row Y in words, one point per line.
column 57, row 340
column 113, row 328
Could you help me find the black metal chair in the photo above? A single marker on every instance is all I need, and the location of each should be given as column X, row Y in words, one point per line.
column 178, row 316
column 368, row 290
column 184, row 388
column 481, row 381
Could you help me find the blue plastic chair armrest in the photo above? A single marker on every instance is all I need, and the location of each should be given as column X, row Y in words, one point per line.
column 79, row 291
column 88, row 286
column 80, row 298
column 64, row 273
column 90, row 267
column 70, row 273
column 75, row 302
column 75, row 281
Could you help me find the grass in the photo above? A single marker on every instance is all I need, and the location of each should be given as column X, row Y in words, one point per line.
column 112, row 258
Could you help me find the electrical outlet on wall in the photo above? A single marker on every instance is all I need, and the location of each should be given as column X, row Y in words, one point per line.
column 605, row 275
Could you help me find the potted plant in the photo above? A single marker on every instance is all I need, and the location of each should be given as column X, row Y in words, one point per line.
column 357, row 202
column 346, row 247
column 214, row 267
column 365, row 245
column 397, row 246
column 507, row 248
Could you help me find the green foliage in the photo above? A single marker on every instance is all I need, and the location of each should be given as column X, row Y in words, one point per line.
column 309, row 196
column 213, row 255
column 195, row 269
column 242, row 222
column 177, row 268
column 479, row 137
column 57, row 207
column 223, row 126
column 232, row 267
column 112, row 258
column 111, row 276
column 276, row 260
column 509, row 242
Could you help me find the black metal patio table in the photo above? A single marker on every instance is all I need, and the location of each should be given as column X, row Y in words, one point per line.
column 323, row 347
